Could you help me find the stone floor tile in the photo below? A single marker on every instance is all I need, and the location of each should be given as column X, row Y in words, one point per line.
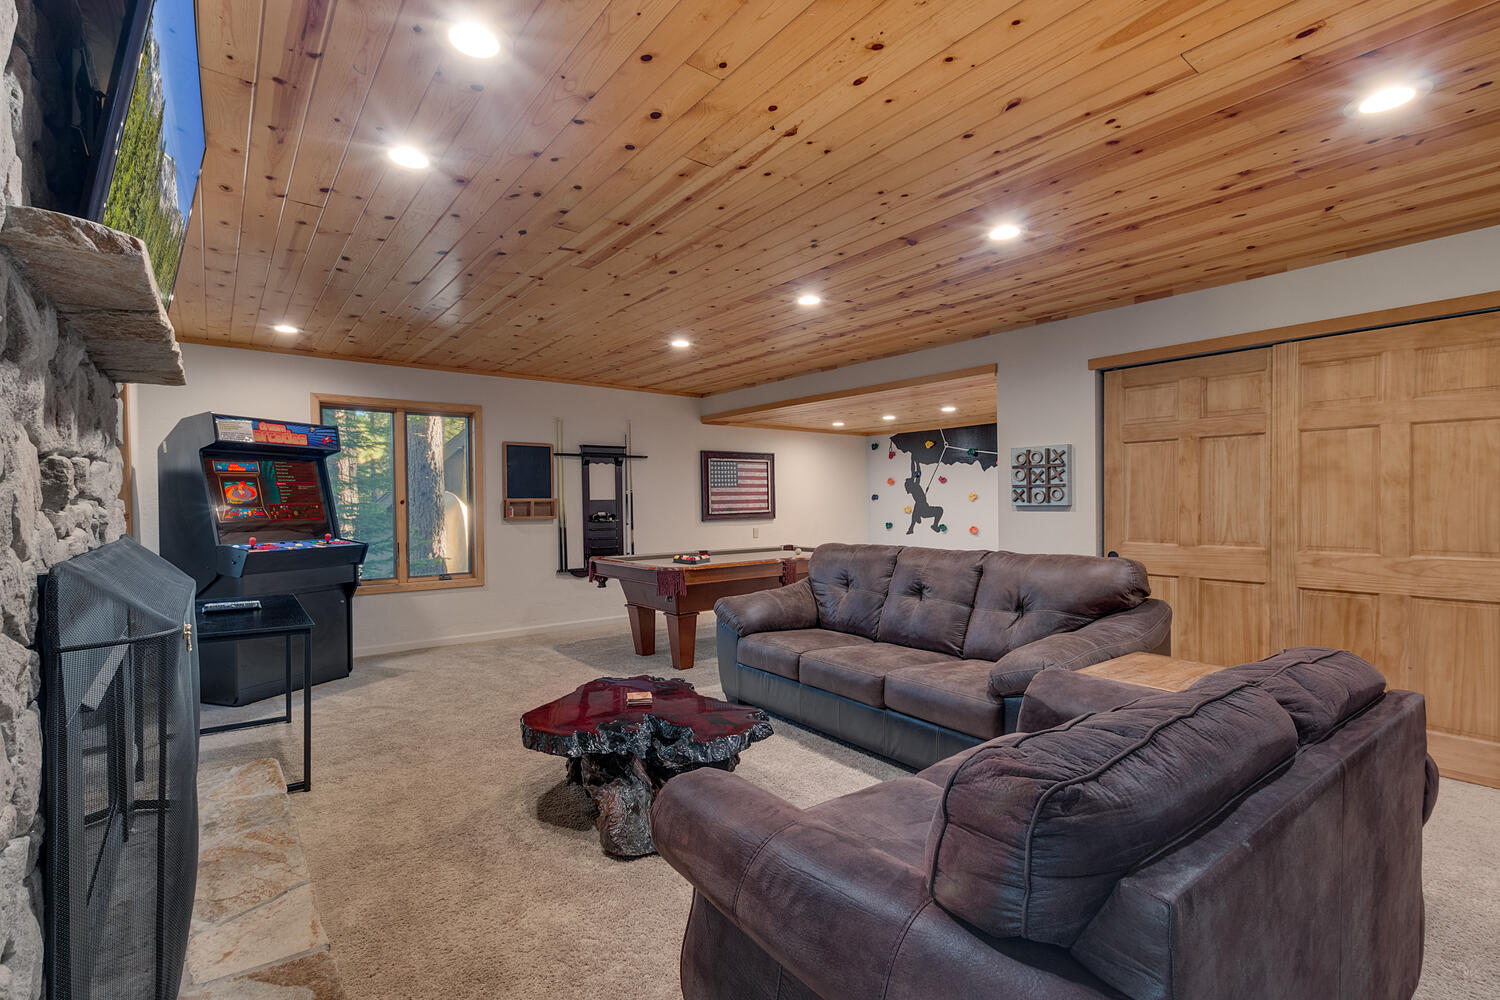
column 314, row 977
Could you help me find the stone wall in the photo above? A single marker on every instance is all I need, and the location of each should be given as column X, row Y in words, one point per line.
column 60, row 471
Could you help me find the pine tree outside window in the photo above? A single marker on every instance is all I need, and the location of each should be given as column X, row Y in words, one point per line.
column 407, row 483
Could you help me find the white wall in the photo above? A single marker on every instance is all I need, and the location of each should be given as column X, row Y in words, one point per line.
column 819, row 481
column 888, row 501
column 1047, row 395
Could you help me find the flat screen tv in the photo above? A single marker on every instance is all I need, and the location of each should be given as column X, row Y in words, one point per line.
column 142, row 126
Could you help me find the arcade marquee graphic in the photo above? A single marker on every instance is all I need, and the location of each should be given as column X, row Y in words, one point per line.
column 249, row 430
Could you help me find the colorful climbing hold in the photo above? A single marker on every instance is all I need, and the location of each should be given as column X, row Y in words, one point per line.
column 888, row 526
column 874, row 445
column 972, row 497
column 891, row 453
column 874, row 496
column 973, row 529
column 931, row 443
column 906, row 509
column 972, row 452
column 942, row 479
column 942, row 527
column 889, row 481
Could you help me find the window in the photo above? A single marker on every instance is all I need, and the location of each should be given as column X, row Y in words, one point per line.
column 407, row 482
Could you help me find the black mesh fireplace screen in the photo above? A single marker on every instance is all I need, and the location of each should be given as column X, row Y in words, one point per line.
column 120, row 749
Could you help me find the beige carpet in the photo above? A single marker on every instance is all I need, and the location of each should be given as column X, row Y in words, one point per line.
column 451, row 864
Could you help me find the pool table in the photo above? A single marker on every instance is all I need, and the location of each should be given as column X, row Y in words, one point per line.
column 655, row 583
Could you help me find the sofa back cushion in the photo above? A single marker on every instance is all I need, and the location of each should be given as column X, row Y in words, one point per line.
column 850, row 583
column 1023, row 598
column 1310, row 886
column 1319, row 688
column 931, row 599
column 1035, row 830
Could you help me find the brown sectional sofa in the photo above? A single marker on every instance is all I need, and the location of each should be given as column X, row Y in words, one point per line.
column 918, row 653
column 1255, row 836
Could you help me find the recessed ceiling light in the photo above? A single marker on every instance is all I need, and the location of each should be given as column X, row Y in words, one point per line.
column 407, row 156
column 1007, row 231
column 838, row 423
column 1386, row 99
column 1389, row 97
column 680, row 342
column 808, row 300
column 889, row 416
column 285, row 328
column 474, row 40
column 950, row 409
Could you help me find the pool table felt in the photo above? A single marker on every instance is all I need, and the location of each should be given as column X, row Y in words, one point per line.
column 716, row 557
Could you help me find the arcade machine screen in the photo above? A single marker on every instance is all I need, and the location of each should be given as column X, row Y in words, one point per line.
column 270, row 499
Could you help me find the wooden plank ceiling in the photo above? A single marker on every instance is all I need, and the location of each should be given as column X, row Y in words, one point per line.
column 624, row 173
column 953, row 399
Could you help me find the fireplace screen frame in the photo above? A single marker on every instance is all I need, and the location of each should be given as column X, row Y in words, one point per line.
column 119, row 776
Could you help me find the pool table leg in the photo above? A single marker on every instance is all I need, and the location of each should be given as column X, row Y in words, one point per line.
column 682, row 635
column 642, row 629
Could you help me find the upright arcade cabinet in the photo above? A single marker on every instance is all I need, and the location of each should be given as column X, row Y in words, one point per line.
column 246, row 509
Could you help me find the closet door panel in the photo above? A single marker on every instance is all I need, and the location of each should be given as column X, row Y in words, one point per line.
column 1188, row 459
column 1342, row 491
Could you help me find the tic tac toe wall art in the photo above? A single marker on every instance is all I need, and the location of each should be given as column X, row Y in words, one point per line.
column 1041, row 477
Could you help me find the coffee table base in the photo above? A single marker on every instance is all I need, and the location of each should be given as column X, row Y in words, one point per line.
column 622, row 753
column 623, row 787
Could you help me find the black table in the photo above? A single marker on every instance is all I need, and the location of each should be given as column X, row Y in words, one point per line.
column 279, row 614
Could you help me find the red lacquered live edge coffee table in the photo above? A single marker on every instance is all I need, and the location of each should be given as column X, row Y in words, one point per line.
column 622, row 754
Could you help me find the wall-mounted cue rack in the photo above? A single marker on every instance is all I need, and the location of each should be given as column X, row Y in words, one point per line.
column 607, row 520
column 528, row 489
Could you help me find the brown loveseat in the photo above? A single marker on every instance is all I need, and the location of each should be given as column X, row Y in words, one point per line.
column 918, row 653
column 1255, row 836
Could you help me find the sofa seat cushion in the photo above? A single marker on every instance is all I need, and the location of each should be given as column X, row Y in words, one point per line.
column 931, row 599
column 1320, row 688
column 892, row 816
column 859, row 672
column 781, row 652
column 954, row 694
column 1035, row 830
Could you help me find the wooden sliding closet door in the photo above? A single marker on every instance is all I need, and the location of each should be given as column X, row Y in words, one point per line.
column 1397, row 464
column 1187, row 461
column 1336, row 492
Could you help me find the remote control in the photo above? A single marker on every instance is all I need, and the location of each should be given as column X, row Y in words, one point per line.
column 210, row 608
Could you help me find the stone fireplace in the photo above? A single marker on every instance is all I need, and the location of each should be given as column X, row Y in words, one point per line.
column 79, row 313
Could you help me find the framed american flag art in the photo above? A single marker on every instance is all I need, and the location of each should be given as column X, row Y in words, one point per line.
column 738, row 484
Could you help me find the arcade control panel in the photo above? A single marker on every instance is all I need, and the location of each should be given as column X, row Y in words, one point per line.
column 253, row 555
column 256, row 545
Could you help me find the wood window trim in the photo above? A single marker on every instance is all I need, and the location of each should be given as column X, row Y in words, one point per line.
column 1420, row 313
column 402, row 584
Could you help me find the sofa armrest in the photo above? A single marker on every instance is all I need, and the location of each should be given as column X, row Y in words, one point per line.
column 828, row 908
column 1054, row 696
column 1430, row 787
column 849, row 921
column 710, row 825
column 792, row 606
column 1147, row 627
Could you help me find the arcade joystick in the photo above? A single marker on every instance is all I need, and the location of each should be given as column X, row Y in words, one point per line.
column 252, row 541
column 327, row 539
